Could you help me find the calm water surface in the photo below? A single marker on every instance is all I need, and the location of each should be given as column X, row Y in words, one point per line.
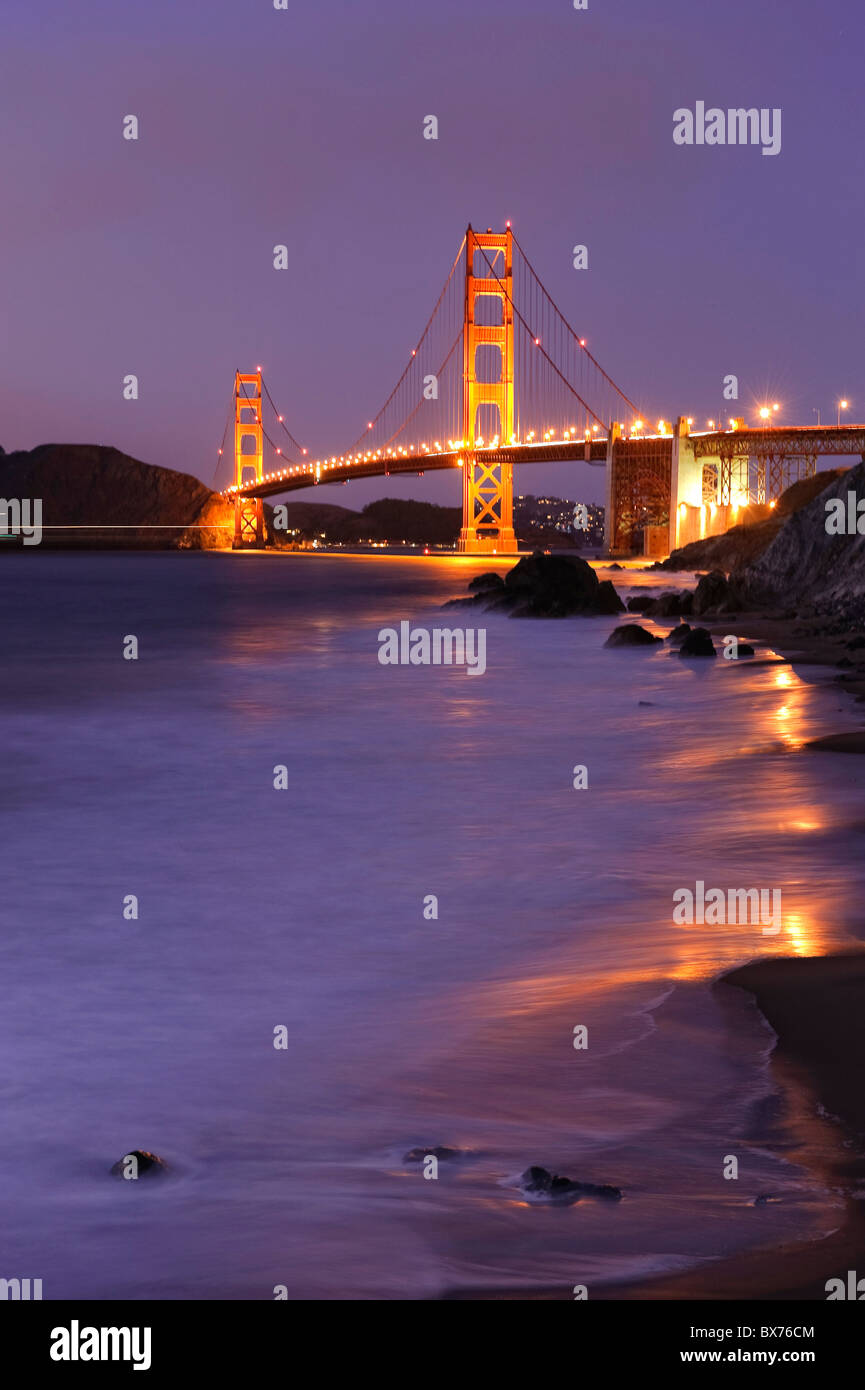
column 304, row 908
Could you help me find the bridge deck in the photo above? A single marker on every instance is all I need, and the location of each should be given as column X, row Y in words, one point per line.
column 793, row 442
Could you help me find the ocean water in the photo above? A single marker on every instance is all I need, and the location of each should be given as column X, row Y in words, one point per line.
column 304, row 909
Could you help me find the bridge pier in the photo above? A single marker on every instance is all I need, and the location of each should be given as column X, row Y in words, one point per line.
column 488, row 486
column 248, row 511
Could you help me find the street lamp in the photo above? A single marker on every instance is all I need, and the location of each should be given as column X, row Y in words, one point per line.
column 815, row 411
column 842, row 405
column 765, row 413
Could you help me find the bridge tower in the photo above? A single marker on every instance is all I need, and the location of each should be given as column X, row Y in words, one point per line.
column 488, row 492
column 248, row 511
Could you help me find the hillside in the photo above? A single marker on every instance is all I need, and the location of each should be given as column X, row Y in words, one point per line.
column 804, row 562
column 743, row 545
column 85, row 485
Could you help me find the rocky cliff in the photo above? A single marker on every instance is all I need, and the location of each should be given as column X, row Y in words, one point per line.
column 805, row 562
column 98, row 497
column 743, row 545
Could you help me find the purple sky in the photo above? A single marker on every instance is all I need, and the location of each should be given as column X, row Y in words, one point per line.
column 305, row 127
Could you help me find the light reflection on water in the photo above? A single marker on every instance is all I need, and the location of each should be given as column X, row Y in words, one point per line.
column 305, row 908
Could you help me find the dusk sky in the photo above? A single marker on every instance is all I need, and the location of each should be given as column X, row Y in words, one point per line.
column 304, row 127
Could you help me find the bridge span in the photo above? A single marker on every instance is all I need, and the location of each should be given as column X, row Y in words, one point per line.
column 499, row 378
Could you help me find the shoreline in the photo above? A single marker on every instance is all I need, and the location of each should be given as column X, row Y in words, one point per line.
column 816, row 1007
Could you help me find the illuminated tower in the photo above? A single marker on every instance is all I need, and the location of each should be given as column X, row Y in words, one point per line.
column 248, row 511
column 488, row 495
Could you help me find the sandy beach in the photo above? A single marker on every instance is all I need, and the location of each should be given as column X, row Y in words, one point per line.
column 816, row 1007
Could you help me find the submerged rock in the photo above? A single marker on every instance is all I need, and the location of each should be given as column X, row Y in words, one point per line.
column 139, row 1163
column 698, row 642
column 539, row 1180
column 439, row 1151
column 632, row 635
column 679, row 634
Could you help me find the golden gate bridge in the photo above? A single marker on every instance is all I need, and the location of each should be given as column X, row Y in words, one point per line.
column 499, row 377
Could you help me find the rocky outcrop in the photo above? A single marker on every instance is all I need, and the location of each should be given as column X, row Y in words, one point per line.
column 806, row 563
column 632, row 635
column 544, row 586
column 99, row 497
column 698, row 642
column 743, row 545
column 673, row 604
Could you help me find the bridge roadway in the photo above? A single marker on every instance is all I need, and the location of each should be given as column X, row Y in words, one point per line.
column 296, row 476
column 791, row 442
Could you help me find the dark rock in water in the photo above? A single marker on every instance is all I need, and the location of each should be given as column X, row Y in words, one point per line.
column 856, row 642
column 713, row 592
column 148, row 1165
column 679, row 634
column 540, row 1180
column 765, row 1198
column 615, row 566
column 631, row 635
column 851, row 742
column 671, row 605
column 645, row 702
column 698, row 642
column 439, row 1151
column 546, row 586
column 486, row 581
column 640, row 602
column 745, row 649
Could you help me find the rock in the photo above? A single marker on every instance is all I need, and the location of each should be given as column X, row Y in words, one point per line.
column 713, row 591
column 639, row 603
column 548, row 586
column 631, row 635
column 671, row 605
column 646, row 702
column 851, row 742
column 679, row 634
column 698, row 642
column 765, row 1198
column 489, row 581
column 440, row 1151
column 615, row 566
column 541, row 1181
column 82, row 484
column 147, row 1165
column 744, row 544
column 745, row 649
column 855, row 642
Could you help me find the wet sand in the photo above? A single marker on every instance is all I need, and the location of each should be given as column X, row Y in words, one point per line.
column 816, row 1006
